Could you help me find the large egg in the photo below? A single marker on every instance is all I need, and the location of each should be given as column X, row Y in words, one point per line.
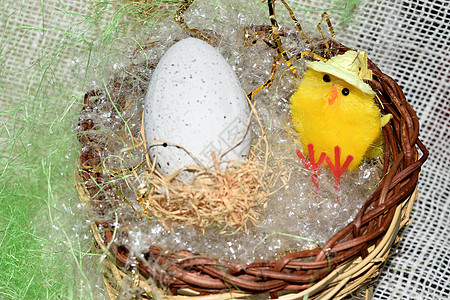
column 194, row 100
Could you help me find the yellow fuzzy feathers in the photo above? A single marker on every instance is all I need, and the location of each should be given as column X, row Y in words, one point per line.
column 328, row 111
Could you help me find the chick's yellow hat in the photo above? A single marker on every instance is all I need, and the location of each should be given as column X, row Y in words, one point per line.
column 350, row 67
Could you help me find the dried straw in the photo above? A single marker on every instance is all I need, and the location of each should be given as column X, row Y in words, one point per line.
column 228, row 198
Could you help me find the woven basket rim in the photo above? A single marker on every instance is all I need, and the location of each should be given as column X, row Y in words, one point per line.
column 390, row 204
column 361, row 269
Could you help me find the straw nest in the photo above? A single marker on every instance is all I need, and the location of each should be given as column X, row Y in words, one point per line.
column 229, row 198
column 351, row 257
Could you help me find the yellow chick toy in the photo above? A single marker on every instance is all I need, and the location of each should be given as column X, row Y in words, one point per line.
column 333, row 106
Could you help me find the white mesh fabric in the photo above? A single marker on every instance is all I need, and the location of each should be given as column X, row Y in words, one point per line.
column 407, row 40
column 30, row 34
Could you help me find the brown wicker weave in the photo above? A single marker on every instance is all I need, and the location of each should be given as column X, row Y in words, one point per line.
column 349, row 258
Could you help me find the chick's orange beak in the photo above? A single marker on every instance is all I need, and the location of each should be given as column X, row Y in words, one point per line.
column 333, row 97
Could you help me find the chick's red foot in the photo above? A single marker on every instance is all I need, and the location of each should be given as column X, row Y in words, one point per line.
column 337, row 169
column 311, row 165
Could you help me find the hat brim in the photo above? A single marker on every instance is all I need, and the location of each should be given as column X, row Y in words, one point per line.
column 333, row 69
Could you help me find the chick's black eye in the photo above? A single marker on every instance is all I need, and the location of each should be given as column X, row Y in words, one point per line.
column 326, row 78
column 345, row 91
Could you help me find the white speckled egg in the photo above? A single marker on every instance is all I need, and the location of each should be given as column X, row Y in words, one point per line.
column 195, row 100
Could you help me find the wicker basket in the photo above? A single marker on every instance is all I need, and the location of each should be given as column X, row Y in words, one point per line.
column 351, row 257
